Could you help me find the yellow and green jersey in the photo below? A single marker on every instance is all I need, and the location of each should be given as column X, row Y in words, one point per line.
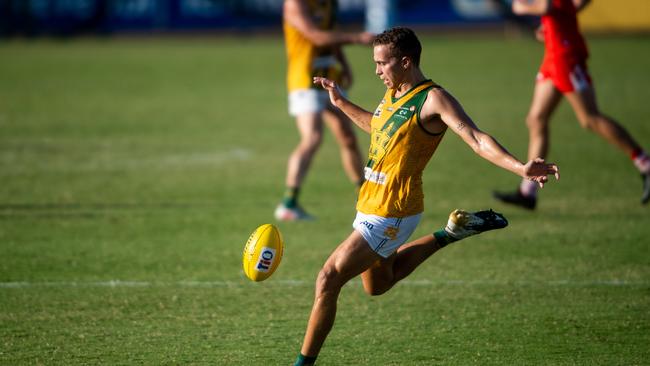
column 304, row 59
column 400, row 148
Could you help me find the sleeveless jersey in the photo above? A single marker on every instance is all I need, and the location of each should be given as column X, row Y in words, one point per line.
column 400, row 148
column 304, row 59
column 562, row 38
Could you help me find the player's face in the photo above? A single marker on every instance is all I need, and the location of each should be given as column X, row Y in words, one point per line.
column 387, row 66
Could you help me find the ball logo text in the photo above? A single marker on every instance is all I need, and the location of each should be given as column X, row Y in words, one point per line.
column 265, row 260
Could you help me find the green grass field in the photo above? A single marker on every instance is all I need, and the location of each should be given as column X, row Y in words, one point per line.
column 133, row 170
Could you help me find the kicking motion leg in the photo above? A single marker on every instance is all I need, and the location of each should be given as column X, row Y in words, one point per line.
column 384, row 274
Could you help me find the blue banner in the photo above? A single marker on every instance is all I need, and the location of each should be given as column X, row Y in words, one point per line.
column 449, row 12
column 79, row 16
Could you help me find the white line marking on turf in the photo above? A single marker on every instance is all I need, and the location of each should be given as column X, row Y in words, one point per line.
column 300, row 283
column 171, row 160
column 110, row 160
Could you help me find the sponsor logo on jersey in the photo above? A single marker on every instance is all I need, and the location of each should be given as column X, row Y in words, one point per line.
column 373, row 176
column 403, row 112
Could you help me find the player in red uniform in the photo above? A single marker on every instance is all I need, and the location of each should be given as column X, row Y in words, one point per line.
column 564, row 73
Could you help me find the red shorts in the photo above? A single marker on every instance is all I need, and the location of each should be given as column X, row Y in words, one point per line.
column 567, row 76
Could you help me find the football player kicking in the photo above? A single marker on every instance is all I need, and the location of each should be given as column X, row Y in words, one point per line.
column 564, row 72
column 405, row 130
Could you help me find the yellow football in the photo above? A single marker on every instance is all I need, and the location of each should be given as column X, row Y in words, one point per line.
column 263, row 252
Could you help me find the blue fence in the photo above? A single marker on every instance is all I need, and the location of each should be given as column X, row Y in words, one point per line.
column 38, row 17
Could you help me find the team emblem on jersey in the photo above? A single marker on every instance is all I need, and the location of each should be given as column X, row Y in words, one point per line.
column 391, row 232
column 404, row 113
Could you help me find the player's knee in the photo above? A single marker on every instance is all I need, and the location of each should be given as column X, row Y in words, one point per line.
column 536, row 123
column 589, row 122
column 376, row 290
column 312, row 142
column 378, row 284
column 327, row 281
column 348, row 142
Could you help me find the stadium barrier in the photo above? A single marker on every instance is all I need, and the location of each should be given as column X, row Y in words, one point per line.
column 37, row 17
column 68, row 17
column 616, row 15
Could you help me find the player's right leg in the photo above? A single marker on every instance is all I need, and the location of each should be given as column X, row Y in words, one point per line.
column 310, row 126
column 545, row 100
column 307, row 107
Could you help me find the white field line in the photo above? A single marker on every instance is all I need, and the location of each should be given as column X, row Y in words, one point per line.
column 109, row 160
column 302, row 283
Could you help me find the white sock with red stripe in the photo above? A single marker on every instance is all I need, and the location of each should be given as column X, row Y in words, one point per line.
column 642, row 162
column 528, row 188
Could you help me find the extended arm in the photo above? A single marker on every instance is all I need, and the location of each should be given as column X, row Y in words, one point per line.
column 531, row 7
column 358, row 115
column 580, row 4
column 295, row 12
column 441, row 103
column 540, row 7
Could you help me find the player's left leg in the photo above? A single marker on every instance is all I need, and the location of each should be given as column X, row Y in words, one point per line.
column 590, row 117
column 586, row 110
column 385, row 273
column 349, row 259
column 343, row 131
column 546, row 98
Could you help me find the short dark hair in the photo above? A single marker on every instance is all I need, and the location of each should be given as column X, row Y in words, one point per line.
column 402, row 42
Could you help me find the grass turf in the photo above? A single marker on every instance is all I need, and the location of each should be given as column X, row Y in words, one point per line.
column 133, row 171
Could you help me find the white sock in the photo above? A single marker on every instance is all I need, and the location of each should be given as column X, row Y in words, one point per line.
column 528, row 188
column 642, row 162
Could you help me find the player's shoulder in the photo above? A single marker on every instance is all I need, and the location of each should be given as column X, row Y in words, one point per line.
column 435, row 98
column 438, row 96
column 433, row 108
column 293, row 8
column 435, row 90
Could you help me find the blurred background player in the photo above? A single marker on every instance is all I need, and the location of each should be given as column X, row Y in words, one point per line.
column 564, row 72
column 314, row 49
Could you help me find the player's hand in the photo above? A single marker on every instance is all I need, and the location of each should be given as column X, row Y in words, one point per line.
column 366, row 38
column 538, row 170
column 331, row 86
column 539, row 33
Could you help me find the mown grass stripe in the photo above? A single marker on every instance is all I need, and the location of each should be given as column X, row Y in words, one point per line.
column 300, row 283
